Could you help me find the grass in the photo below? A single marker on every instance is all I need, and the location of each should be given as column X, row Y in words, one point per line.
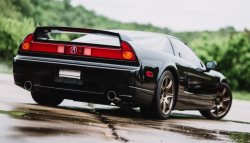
column 241, row 95
column 4, row 68
column 12, row 113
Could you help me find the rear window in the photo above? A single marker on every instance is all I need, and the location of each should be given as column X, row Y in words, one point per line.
column 78, row 37
column 98, row 39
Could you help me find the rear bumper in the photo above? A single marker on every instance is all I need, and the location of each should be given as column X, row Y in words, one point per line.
column 96, row 79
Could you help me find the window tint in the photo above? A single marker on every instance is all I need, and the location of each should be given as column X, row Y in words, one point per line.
column 152, row 40
column 157, row 42
column 78, row 37
column 186, row 53
column 98, row 39
column 168, row 47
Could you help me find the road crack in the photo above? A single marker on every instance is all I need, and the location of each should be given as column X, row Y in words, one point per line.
column 110, row 126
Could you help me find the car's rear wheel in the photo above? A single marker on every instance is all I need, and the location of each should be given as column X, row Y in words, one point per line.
column 163, row 100
column 222, row 104
column 46, row 99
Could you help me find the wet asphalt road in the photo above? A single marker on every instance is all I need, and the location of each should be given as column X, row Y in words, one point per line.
column 22, row 120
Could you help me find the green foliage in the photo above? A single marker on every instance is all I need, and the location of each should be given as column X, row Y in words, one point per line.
column 11, row 34
column 209, row 48
column 190, row 36
column 232, row 55
column 8, row 10
column 241, row 95
column 236, row 61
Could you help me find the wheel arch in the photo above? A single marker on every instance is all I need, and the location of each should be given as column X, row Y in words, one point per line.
column 173, row 70
column 224, row 80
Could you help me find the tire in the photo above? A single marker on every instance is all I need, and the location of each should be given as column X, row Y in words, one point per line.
column 46, row 100
column 164, row 98
column 223, row 102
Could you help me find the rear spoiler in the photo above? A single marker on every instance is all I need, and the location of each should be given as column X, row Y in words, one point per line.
column 42, row 32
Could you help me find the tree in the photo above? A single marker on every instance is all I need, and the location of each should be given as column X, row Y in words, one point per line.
column 236, row 61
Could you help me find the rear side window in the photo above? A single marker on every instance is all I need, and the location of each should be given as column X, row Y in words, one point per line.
column 186, row 53
column 151, row 40
column 160, row 43
column 168, row 47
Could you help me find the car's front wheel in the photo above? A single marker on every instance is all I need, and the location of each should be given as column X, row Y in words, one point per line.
column 222, row 103
column 164, row 98
column 46, row 100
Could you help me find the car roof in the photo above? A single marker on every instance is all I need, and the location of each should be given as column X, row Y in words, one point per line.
column 127, row 32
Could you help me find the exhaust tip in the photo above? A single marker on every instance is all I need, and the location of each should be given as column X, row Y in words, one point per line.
column 111, row 95
column 27, row 85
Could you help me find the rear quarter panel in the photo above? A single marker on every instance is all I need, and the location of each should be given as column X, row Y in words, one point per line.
column 151, row 60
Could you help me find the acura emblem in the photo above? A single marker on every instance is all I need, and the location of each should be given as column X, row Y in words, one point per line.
column 73, row 50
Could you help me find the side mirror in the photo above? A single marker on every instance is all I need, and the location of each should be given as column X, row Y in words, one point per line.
column 210, row 65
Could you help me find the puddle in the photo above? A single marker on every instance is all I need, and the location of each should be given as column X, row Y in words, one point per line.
column 50, row 122
column 188, row 116
column 112, row 117
column 201, row 134
column 42, row 131
column 61, row 114
column 131, row 118
column 50, row 116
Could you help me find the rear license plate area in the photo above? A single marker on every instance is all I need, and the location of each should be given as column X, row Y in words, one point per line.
column 76, row 74
column 68, row 76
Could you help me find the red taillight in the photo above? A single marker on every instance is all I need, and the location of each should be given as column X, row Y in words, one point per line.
column 126, row 53
column 29, row 38
column 27, row 42
column 48, row 48
column 29, row 45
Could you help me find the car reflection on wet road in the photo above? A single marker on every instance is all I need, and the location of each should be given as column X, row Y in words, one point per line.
column 24, row 121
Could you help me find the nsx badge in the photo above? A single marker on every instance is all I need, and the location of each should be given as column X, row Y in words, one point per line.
column 73, row 50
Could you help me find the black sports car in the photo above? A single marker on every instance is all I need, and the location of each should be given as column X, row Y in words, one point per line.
column 155, row 72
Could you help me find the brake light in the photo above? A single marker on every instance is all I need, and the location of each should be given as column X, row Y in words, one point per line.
column 26, row 46
column 29, row 45
column 47, row 48
column 27, row 42
column 29, row 38
column 126, row 53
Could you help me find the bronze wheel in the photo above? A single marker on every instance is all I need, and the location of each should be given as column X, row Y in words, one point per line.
column 166, row 95
column 164, row 98
column 222, row 103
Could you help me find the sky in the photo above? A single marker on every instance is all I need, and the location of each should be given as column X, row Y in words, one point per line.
column 177, row 15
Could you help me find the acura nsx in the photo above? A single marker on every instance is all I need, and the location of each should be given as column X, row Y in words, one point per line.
column 156, row 72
